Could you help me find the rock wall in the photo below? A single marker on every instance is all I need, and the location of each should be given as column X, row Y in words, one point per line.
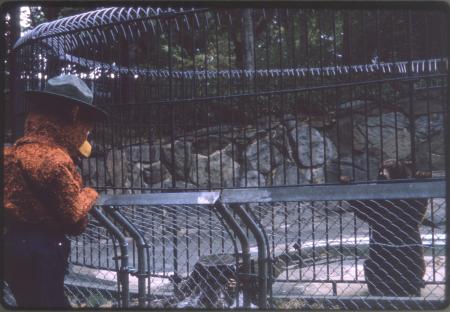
column 288, row 151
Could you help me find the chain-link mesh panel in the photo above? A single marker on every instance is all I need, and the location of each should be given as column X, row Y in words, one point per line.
column 354, row 251
column 92, row 279
column 191, row 257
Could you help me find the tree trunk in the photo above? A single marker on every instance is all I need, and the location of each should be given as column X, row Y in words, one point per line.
column 249, row 40
column 346, row 39
column 16, row 110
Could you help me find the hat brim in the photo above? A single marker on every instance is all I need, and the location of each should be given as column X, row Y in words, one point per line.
column 45, row 97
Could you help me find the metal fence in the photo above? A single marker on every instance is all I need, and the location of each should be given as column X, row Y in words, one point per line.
column 298, row 247
column 93, row 279
column 252, row 102
column 291, row 247
column 298, row 96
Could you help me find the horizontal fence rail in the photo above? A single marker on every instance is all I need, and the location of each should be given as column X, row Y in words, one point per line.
column 378, row 190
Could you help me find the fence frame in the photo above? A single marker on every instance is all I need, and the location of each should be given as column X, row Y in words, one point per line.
column 434, row 188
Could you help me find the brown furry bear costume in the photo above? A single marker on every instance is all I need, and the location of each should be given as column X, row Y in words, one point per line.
column 44, row 198
column 395, row 265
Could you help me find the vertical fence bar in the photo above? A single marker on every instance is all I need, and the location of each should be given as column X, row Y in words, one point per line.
column 141, row 245
column 242, row 237
column 262, row 254
column 122, row 276
column 412, row 128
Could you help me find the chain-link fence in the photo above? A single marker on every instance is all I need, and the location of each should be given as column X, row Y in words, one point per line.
column 323, row 249
column 93, row 266
column 291, row 247
column 190, row 255
column 185, row 250
column 365, row 253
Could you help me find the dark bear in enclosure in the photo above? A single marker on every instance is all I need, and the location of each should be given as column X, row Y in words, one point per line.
column 395, row 265
column 216, row 280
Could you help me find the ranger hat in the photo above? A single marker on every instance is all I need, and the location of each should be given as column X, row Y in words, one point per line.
column 67, row 89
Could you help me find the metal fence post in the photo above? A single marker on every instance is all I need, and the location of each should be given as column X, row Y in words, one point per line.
column 124, row 269
column 262, row 254
column 223, row 211
column 140, row 243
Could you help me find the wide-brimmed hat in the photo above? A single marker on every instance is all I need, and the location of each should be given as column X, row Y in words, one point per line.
column 67, row 89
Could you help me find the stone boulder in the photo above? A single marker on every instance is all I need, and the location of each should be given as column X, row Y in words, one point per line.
column 208, row 145
column 263, row 156
column 311, row 148
column 314, row 175
column 223, row 170
column 199, row 170
column 219, row 169
column 167, row 184
column 233, row 150
column 341, row 132
column 181, row 165
column 145, row 153
column 354, row 106
column 430, row 142
column 137, row 182
column 250, row 179
column 435, row 103
column 118, row 166
column 355, row 167
column 427, row 127
column 288, row 174
column 395, row 136
column 291, row 122
column 154, row 173
column 94, row 172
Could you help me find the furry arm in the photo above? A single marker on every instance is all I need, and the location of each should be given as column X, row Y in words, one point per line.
column 70, row 200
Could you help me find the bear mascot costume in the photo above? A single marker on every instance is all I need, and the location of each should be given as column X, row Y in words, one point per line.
column 395, row 265
column 44, row 198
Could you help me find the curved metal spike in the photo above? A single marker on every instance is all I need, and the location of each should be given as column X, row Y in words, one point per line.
column 131, row 31
column 186, row 21
column 102, row 17
column 196, row 19
column 112, row 34
column 143, row 25
column 230, row 20
column 153, row 26
column 206, row 19
column 218, row 18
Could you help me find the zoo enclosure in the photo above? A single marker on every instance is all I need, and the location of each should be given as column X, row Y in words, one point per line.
column 205, row 99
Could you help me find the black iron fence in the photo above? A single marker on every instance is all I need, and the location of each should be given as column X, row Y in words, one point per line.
column 297, row 96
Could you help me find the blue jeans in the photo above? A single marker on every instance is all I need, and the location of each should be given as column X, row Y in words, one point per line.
column 36, row 262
